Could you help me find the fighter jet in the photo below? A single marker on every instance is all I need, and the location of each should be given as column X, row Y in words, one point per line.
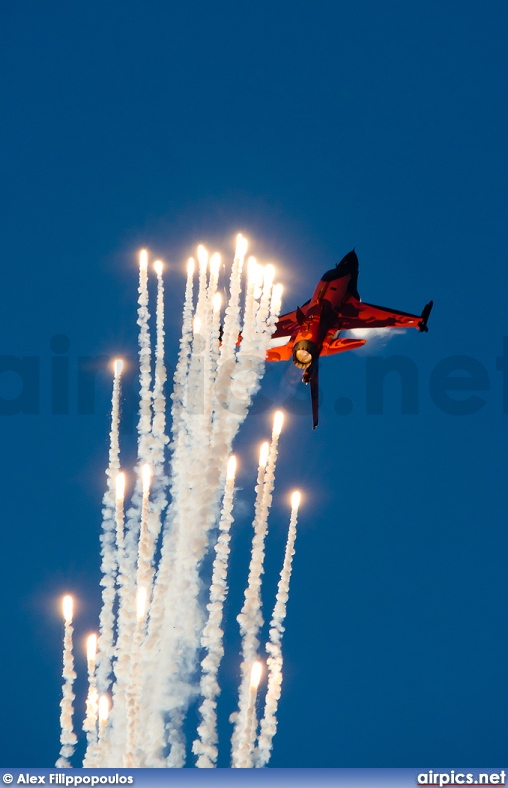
column 313, row 330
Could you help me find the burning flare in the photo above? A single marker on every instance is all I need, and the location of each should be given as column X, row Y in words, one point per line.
column 146, row 474
column 67, row 608
column 263, row 454
column 231, row 470
column 91, row 649
column 241, row 245
column 215, row 265
column 103, row 710
column 255, row 675
column 120, row 486
column 278, row 421
column 217, row 302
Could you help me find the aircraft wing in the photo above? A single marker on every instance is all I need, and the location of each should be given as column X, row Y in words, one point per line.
column 357, row 314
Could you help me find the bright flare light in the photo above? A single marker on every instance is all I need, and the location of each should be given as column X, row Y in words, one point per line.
column 146, row 474
column 196, row 326
column 202, row 255
column 215, row 264
column 217, row 302
column 91, row 648
column 190, row 266
column 141, row 602
column 277, row 292
column 118, row 366
column 67, row 608
column 263, row 454
column 269, row 274
column 158, row 267
column 255, row 675
column 230, row 475
column 259, row 275
column 241, row 245
column 143, row 259
column 278, row 421
column 120, row 487
column 103, row 709
column 295, row 499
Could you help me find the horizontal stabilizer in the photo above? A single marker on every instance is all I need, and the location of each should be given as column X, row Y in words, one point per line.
column 279, row 353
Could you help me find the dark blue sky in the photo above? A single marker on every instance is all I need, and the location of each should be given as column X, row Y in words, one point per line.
column 312, row 128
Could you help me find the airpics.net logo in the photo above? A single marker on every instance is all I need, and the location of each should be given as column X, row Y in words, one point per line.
column 63, row 384
column 461, row 778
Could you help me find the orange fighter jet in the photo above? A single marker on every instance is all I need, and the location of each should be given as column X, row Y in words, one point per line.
column 314, row 329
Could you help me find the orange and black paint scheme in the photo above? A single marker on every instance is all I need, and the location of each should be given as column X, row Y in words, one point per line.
column 313, row 330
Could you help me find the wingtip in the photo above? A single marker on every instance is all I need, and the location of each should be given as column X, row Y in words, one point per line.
column 427, row 309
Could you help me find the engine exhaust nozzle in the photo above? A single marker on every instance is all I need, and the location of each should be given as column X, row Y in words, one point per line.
column 304, row 353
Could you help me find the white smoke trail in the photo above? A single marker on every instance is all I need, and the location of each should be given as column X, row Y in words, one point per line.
column 192, row 519
column 155, row 655
column 153, row 717
column 145, row 551
column 273, row 647
column 249, row 719
column 68, row 739
column 134, row 688
column 119, row 518
column 163, row 628
column 108, row 546
column 248, row 332
column 251, row 618
column 211, row 350
column 275, row 306
column 205, row 746
column 202, row 288
column 144, row 426
column 246, row 378
column 133, row 693
column 195, row 503
column 264, row 305
column 103, row 749
column 159, row 439
column 125, row 625
column 214, row 347
column 179, row 398
column 122, row 695
column 145, row 353
column 92, row 700
column 178, row 395
column 232, row 316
